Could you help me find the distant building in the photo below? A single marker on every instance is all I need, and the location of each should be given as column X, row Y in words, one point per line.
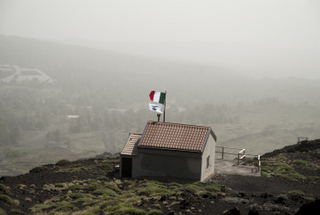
column 24, row 74
column 73, row 116
column 169, row 150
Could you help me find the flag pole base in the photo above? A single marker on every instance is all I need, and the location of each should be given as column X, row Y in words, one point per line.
column 158, row 115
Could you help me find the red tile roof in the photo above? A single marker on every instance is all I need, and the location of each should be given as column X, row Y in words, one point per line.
column 175, row 136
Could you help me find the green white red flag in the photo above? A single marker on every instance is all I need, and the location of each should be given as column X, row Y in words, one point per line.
column 158, row 97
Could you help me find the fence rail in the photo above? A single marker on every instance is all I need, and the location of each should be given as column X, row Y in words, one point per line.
column 241, row 154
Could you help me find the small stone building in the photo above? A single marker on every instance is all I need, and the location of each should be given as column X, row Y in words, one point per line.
column 169, row 150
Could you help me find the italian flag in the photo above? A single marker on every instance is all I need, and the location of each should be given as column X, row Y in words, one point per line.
column 158, row 97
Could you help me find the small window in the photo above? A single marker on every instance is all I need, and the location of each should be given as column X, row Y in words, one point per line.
column 208, row 161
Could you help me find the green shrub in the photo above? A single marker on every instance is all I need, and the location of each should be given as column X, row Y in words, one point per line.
column 266, row 168
column 93, row 181
column 300, row 162
column 56, row 168
column 21, row 186
column 265, row 163
column 110, row 203
column 101, row 177
column 59, row 185
column 134, row 211
column 89, row 211
column 105, row 167
column 37, row 208
column 313, row 177
column 307, row 168
column 73, row 166
column 191, row 188
column 174, row 184
column 48, row 187
column 76, row 195
column 295, row 194
column 62, row 162
column 127, row 183
column 292, row 176
column 93, row 184
column 127, row 195
column 154, row 212
column 17, row 211
column 2, row 212
column 113, row 187
column 118, row 208
column 64, row 208
column 282, row 156
column 153, row 189
column 310, row 199
column 6, row 199
column 5, row 189
column 213, row 188
column 89, row 202
column 106, row 191
column 285, row 167
column 287, row 172
column 80, row 200
column 74, row 187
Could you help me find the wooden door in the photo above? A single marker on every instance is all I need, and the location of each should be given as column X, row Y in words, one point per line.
column 126, row 170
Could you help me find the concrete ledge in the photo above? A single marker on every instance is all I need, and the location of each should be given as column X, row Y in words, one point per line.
column 222, row 166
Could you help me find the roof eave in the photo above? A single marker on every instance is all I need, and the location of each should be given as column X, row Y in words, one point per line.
column 166, row 149
column 210, row 132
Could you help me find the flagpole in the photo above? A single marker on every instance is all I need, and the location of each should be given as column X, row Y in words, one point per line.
column 164, row 109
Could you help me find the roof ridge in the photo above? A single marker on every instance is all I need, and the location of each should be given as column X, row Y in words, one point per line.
column 134, row 133
column 180, row 124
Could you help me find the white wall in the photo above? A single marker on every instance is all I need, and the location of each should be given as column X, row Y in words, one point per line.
column 210, row 149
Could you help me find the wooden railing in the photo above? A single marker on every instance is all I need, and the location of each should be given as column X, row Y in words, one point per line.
column 241, row 154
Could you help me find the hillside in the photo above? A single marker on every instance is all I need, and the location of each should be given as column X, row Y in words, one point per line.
column 121, row 73
column 109, row 91
column 290, row 185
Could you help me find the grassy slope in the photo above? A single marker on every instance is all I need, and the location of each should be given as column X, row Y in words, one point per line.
column 105, row 194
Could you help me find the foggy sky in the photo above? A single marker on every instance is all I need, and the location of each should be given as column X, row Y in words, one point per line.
column 273, row 38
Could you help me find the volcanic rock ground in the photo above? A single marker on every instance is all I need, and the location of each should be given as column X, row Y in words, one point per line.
column 242, row 194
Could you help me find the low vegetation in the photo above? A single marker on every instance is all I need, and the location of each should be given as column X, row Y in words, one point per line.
column 8, row 200
column 119, row 196
column 4, row 189
column 94, row 188
column 62, row 162
column 17, row 211
column 2, row 212
column 294, row 166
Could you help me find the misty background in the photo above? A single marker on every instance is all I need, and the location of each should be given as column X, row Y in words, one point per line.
column 248, row 69
column 256, row 38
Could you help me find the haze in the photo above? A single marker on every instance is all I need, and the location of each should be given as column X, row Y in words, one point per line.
column 256, row 38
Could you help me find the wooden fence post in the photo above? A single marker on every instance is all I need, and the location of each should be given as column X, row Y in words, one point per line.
column 222, row 152
column 238, row 158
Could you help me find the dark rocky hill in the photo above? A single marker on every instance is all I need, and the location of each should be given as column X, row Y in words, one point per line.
column 304, row 146
column 289, row 185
